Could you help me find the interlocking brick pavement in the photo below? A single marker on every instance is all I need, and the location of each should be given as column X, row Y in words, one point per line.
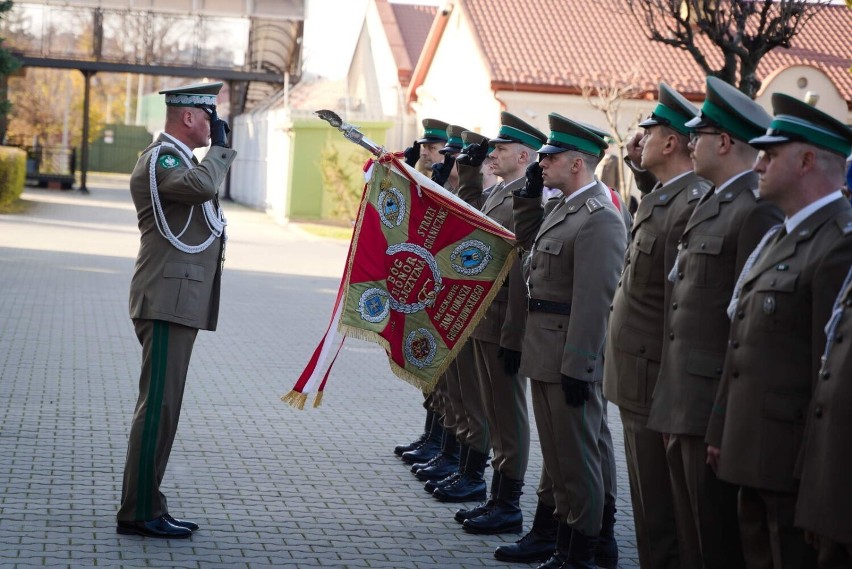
column 270, row 485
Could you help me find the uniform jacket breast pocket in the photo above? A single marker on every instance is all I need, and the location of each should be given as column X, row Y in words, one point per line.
column 641, row 261
column 183, row 285
column 774, row 301
column 704, row 266
column 545, row 262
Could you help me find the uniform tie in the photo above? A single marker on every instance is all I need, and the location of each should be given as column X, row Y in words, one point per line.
column 673, row 273
column 752, row 259
column 836, row 312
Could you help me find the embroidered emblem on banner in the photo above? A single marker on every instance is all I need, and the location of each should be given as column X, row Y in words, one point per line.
column 420, row 348
column 410, row 289
column 168, row 161
column 391, row 207
column 471, row 257
column 374, row 305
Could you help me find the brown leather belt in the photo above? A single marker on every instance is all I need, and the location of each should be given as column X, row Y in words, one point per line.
column 536, row 305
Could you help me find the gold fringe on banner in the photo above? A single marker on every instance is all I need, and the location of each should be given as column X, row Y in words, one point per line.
column 295, row 399
column 318, row 399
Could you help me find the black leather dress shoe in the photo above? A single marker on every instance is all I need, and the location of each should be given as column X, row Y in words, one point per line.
column 191, row 526
column 158, row 527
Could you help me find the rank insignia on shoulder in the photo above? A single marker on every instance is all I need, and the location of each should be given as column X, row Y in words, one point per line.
column 846, row 228
column 664, row 197
column 168, row 161
column 694, row 194
column 593, row 205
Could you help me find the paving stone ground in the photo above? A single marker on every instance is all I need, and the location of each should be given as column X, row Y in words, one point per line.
column 271, row 486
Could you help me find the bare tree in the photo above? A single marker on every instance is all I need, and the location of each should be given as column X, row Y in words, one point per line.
column 743, row 31
column 607, row 95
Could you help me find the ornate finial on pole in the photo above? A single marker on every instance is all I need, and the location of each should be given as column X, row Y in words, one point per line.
column 349, row 131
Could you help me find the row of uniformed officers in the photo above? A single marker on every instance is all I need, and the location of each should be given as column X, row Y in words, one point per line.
column 719, row 335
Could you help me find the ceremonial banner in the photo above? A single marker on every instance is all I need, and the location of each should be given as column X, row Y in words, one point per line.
column 422, row 268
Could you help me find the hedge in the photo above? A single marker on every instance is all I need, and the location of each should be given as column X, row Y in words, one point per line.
column 12, row 174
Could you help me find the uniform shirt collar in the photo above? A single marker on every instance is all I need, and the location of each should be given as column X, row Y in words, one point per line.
column 678, row 177
column 734, row 179
column 792, row 222
column 586, row 188
column 183, row 147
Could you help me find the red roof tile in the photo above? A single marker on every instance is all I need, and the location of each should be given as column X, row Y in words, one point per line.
column 561, row 46
column 406, row 27
column 414, row 22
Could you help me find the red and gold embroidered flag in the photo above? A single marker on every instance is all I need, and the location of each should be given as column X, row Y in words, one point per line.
column 422, row 268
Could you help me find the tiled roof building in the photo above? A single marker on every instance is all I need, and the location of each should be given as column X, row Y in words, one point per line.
column 561, row 46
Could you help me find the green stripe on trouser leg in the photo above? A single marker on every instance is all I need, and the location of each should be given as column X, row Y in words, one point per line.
column 153, row 407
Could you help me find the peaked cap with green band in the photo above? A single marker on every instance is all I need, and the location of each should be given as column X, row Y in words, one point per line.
column 454, row 139
column 728, row 109
column 672, row 110
column 433, row 131
column 203, row 94
column 605, row 134
column 513, row 129
column 797, row 121
column 469, row 137
column 566, row 134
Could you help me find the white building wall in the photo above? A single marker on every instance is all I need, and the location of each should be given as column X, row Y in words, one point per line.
column 373, row 79
column 800, row 80
column 260, row 174
column 534, row 108
column 457, row 87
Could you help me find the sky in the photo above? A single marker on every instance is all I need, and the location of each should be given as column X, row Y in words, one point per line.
column 331, row 30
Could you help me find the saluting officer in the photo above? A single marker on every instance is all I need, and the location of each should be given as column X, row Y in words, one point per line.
column 635, row 336
column 444, row 172
column 497, row 342
column 622, row 207
column 422, row 154
column 473, row 428
column 574, row 262
column 724, row 229
column 467, row 422
column 174, row 292
column 779, row 310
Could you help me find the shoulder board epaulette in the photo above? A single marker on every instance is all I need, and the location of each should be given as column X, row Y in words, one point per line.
column 845, row 224
column 593, row 205
column 697, row 191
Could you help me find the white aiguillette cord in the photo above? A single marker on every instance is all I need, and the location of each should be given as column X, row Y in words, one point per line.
column 214, row 217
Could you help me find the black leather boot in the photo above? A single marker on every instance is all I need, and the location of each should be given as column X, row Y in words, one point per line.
column 606, row 551
column 506, row 515
column 418, row 465
column 446, row 462
column 582, row 552
column 464, row 514
column 561, row 556
column 430, row 447
column 399, row 449
column 468, row 487
column 432, row 484
column 538, row 545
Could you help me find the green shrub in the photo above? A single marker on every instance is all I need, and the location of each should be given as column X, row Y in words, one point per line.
column 12, row 174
